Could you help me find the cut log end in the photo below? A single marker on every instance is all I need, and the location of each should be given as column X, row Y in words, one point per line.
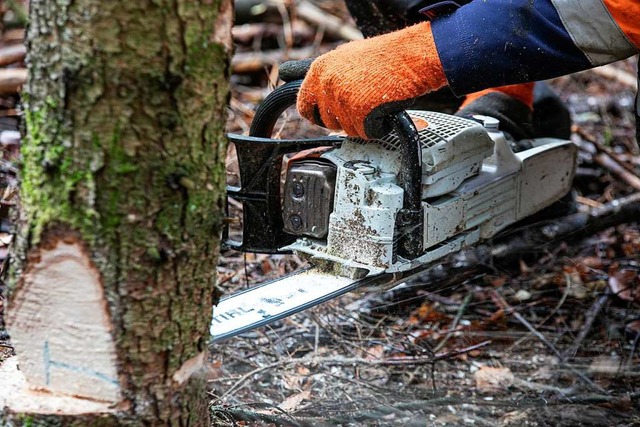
column 61, row 327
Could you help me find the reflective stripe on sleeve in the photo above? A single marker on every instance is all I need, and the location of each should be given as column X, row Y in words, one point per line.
column 593, row 30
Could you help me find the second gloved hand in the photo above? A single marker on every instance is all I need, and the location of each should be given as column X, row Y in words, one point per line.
column 354, row 86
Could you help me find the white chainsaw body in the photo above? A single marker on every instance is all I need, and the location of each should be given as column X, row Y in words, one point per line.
column 340, row 207
column 473, row 186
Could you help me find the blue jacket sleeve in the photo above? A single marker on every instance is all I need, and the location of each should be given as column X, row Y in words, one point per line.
column 490, row 43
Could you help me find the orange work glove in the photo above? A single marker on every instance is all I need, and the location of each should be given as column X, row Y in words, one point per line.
column 354, row 86
column 512, row 105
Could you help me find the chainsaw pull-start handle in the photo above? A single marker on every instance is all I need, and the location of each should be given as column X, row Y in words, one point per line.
column 410, row 218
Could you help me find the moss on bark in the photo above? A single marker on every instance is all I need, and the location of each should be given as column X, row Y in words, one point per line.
column 125, row 109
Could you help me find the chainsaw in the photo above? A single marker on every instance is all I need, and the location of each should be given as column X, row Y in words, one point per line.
column 374, row 213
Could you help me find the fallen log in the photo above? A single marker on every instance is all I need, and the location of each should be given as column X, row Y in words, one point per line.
column 11, row 54
column 11, row 80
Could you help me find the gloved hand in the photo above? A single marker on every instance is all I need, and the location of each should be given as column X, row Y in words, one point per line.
column 512, row 105
column 354, row 86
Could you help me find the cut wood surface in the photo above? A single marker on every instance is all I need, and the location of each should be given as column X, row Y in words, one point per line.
column 61, row 327
column 18, row 395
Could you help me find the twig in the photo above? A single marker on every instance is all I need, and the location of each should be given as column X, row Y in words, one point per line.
column 248, row 375
column 332, row 25
column 454, row 323
column 502, row 303
column 573, row 226
column 609, row 159
column 250, row 62
column 590, row 317
column 246, row 33
column 11, row 54
column 611, row 72
column 286, row 25
column 634, row 346
column 242, row 414
column 607, row 162
column 553, row 312
column 352, row 361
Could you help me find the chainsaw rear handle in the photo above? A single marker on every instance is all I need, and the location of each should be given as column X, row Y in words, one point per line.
column 410, row 218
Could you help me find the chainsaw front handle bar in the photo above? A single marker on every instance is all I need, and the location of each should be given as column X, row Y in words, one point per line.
column 410, row 222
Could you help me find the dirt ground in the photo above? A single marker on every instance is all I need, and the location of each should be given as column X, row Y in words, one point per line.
column 548, row 336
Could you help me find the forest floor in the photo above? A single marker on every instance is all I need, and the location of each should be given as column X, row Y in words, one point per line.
column 546, row 337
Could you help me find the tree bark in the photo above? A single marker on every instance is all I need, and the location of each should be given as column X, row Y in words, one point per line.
column 113, row 274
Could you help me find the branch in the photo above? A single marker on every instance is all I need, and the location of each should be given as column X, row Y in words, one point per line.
column 250, row 62
column 331, row 24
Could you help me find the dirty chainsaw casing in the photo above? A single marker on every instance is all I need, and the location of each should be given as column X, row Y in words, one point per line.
column 472, row 186
column 373, row 213
column 344, row 203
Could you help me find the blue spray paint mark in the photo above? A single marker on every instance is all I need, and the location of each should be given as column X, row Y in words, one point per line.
column 48, row 364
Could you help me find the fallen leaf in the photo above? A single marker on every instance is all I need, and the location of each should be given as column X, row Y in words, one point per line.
column 514, row 418
column 428, row 313
column 591, row 262
column 625, row 282
column 633, row 328
column 497, row 282
column 303, row 370
column 522, row 295
column 266, row 266
column 374, row 353
column 493, row 380
column 292, row 402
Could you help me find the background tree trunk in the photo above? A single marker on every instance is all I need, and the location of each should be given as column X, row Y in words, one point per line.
column 113, row 273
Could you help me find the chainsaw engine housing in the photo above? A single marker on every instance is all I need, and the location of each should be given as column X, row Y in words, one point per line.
column 473, row 185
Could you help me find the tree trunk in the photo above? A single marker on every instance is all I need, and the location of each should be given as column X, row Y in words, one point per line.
column 113, row 274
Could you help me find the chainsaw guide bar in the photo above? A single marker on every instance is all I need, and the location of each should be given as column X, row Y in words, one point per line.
column 275, row 300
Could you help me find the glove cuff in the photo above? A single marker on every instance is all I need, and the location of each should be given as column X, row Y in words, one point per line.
column 521, row 92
